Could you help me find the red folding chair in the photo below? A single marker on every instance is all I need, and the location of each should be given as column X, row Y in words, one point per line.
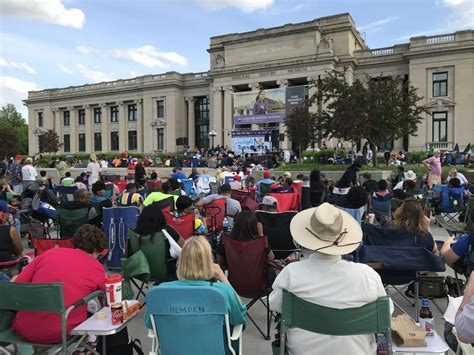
column 122, row 184
column 184, row 225
column 152, row 186
column 289, row 201
column 215, row 213
column 247, row 266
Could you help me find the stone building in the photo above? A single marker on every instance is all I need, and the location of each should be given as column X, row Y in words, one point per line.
column 163, row 112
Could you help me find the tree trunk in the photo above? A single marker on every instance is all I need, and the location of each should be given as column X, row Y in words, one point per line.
column 301, row 155
column 374, row 153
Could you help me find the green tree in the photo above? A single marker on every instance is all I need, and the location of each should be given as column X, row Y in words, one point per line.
column 376, row 110
column 49, row 142
column 13, row 146
column 11, row 120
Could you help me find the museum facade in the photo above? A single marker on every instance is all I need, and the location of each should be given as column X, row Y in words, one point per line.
column 164, row 112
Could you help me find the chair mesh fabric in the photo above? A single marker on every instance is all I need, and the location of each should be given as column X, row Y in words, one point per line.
column 215, row 212
column 246, row 264
column 290, row 201
column 152, row 186
column 276, row 227
column 71, row 220
column 184, row 225
column 18, row 296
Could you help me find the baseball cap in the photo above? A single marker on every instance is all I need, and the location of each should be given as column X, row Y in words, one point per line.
column 266, row 174
column 269, row 201
column 236, row 177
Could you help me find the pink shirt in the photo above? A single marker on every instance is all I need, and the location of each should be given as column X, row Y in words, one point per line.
column 435, row 164
column 80, row 274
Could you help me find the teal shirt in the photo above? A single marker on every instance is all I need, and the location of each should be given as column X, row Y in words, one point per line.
column 237, row 311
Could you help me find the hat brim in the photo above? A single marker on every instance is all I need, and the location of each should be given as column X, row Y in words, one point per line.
column 307, row 240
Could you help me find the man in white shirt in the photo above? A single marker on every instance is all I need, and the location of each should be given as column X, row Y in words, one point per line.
column 28, row 172
column 327, row 280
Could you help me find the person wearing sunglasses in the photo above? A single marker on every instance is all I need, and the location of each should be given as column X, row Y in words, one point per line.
column 326, row 279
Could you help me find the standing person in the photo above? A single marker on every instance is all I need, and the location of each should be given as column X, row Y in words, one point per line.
column 140, row 173
column 62, row 168
column 434, row 168
column 93, row 168
column 29, row 173
column 14, row 173
column 261, row 104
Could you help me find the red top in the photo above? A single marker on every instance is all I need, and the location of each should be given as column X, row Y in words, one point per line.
column 80, row 273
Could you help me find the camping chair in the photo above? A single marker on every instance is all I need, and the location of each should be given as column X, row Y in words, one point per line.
column 198, row 312
column 184, row 225
column 265, row 189
column 289, row 201
column 371, row 318
column 397, row 259
column 166, row 204
column 381, row 206
column 153, row 186
column 213, row 187
column 155, row 248
column 246, row 199
column 121, row 184
column 215, row 212
column 276, row 227
column 66, row 193
column 451, row 203
column 48, row 298
column 71, row 220
column 248, row 271
column 189, row 187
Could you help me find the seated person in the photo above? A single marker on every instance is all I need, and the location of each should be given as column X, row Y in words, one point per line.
column 165, row 192
column 194, row 174
column 196, row 268
column 79, row 272
column 79, row 183
column 409, row 175
column 269, row 204
column 236, row 184
column 184, row 206
column 454, row 173
column 465, row 316
column 233, row 206
column 265, row 181
column 10, row 242
column 130, row 197
column 5, row 189
column 67, row 180
column 176, row 187
column 46, row 195
column 369, row 184
column 354, row 201
column 98, row 199
column 82, row 199
column 202, row 185
column 410, row 218
column 382, row 190
column 326, row 279
column 285, row 186
column 47, row 179
column 177, row 174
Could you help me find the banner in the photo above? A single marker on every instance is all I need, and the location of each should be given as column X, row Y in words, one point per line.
column 262, row 106
column 250, row 142
column 295, row 96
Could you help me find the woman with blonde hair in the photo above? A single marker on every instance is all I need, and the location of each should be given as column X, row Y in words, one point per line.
column 411, row 218
column 196, row 268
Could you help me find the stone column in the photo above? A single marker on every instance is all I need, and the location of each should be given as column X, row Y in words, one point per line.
column 217, row 113
column 57, row 125
column 105, row 128
column 73, row 129
column 228, row 113
column 89, row 129
column 123, row 135
column 255, row 87
column 191, row 123
column 140, row 126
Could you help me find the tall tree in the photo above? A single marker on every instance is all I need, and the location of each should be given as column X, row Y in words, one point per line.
column 376, row 110
column 11, row 120
column 49, row 142
column 12, row 144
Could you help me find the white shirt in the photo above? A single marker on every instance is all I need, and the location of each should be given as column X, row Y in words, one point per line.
column 329, row 281
column 104, row 164
column 28, row 172
column 461, row 178
column 94, row 170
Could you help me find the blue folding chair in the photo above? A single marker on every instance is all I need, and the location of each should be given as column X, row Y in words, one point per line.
column 452, row 202
column 189, row 187
column 197, row 313
column 381, row 206
column 66, row 193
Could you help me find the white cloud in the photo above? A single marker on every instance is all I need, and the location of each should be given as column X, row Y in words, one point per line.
column 462, row 14
column 94, row 75
column 243, row 5
column 375, row 25
column 50, row 11
column 14, row 90
column 15, row 65
column 147, row 55
column 65, row 69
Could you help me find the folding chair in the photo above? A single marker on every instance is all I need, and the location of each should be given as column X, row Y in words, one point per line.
column 121, row 184
column 371, row 318
column 381, row 206
column 167, row 204
column 246, row 199
column 289, row 201
column 248, row 271
column 398, row 258
column 451, row 203
column 153, row 186
column 48, row 298
column 200, row 312
column 276, row 227
column 189, row 187
column 215, row 212
column 265, row 189
column 66, row 193
column 71, row 220
column 184, row 225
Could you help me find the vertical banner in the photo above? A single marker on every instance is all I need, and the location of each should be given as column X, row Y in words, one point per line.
column 295, row 96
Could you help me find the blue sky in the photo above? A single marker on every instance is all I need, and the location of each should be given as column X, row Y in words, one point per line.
column 59, row 43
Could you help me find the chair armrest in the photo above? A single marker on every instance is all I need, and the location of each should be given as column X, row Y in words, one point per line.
column 88, row 298
column 151, row 333
column 236, row 332
column 275, row 265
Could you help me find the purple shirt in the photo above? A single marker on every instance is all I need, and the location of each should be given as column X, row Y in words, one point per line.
column 435, row 164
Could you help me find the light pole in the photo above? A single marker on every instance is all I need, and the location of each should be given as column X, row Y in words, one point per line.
column 212, row 134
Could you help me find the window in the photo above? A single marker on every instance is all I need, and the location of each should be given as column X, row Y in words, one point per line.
column 440, row 84
column 114, row 141
column 98, row 141
column 66, row 118
column 161, row 138
column 67, row 143
column 81, row 113
column 132, row 112
column 132, row 140
column 97, row 115
column 82, row 142
column 40, row 119
column 114, row 112
column 160, row 109
column 440, row 126
column 201, row 112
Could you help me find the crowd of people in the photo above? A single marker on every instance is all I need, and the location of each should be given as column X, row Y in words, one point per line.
column 328, row 222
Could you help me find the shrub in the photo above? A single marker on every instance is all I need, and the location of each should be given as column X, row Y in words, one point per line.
column 316, row 156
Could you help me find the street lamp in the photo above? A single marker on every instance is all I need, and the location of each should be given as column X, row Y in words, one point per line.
column 212, row 134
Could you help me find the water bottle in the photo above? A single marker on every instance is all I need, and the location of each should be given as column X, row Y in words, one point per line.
column 426, row 317
column 226, row 224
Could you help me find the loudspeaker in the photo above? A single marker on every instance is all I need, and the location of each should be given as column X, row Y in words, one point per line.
column 185, row 140
column 179, row 141
column 267, row 137
column 282, row 137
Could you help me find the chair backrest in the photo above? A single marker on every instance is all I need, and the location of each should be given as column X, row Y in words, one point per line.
column 121, row 184
column 198, row 312
column 154, row 247
column 166, row 204
column 370, row 318
column 184, row 225
column 215, row 212
column 66, row 193
column 276, row 227
column 287, row 201
column 265, row 189
column 213, row 187
column 152, row 186
column 71, row 220
column 246, row 263
column 239, row 195
column 189, row 187
column 381, row 206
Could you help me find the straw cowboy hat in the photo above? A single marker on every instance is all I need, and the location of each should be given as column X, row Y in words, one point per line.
column 326, row 229
column 410, row 175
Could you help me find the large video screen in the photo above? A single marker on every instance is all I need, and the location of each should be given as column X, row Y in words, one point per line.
column 250, row 142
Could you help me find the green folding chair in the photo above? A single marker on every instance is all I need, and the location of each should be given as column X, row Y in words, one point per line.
column 265, row 189
column 71, row 220
column 43, row 297
column 370, row 318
